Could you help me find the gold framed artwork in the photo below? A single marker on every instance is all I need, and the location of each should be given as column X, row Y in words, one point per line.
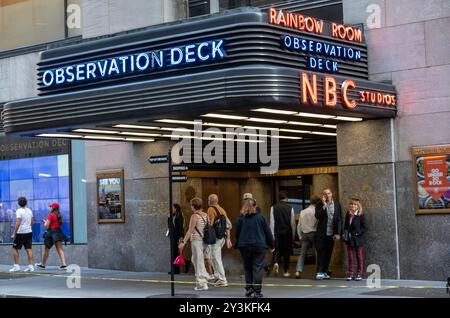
column 431, row 170
column 110, row 196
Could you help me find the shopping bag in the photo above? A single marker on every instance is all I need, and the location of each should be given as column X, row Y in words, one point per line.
column 179, row 260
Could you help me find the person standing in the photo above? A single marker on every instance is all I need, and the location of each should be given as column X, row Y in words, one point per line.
column 328, row 215
column 23, row 235
column 177, row 231
column 54, row 236
column 197, row 224
column 218, row 218
column 282, row 225
column 306, row 230
column 354, row 238
column 253, row 239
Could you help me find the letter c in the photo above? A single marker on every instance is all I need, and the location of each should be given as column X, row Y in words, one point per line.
column 350, row 104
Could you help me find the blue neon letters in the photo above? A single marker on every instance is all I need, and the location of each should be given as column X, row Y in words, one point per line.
column 320, row 48
column 180, row 56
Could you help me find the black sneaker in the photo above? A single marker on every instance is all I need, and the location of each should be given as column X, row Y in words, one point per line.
column 249, row 292
column 258, row 295
column 39, row 265
column 63, row 267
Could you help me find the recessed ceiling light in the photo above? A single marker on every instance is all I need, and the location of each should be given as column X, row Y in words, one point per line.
column 287, row 137
column 315, row 115
column 96, row 131
column 59, row 136
column 224, row 116
column 260, row 128
column 139, row 139
column 136, row 126
column 330, row 126
column 301, row 123
column 348, row 118
column 176, row 121
column 323, row 133
column 296, row 131
column 267, row 120
column 221, row 125
column 275, row 111
column 103, row 137
column 138, row 134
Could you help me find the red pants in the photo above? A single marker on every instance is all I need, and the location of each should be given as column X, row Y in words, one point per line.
column 351, row 251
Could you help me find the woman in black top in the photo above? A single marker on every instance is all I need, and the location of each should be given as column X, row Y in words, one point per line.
column 354, row 238
column 253, row 239
column 176, row 229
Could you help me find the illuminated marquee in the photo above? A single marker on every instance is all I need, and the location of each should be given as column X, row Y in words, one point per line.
column 180, row 56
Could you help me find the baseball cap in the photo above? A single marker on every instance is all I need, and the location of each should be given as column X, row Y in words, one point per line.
column 248, row 196
column 54, row 205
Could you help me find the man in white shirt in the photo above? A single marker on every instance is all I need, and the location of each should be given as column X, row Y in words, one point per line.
column 306, row 230
column 23, row 235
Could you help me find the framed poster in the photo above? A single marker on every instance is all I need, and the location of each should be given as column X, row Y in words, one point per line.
column 431, row 168
column 110, row 197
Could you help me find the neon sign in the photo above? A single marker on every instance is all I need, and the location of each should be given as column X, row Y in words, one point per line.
column 310, row 93
column 308, row 24
column 180, row 56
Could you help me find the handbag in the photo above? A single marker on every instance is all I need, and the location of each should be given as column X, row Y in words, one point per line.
column 179, row 260
column 347, row 235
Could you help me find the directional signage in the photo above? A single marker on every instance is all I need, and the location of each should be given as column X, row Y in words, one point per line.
column 180, row 168
column 158, row 159
column 180, row 178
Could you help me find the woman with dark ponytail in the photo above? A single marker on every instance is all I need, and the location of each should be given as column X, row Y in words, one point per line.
column 53, row 236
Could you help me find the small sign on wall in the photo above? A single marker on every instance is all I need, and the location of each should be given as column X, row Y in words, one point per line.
column 110, row 197
column 431, row 168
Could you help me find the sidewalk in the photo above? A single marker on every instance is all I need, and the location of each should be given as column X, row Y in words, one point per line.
column 98, row 283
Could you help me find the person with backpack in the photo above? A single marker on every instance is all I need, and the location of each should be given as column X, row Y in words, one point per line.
column 253, row 239
column 53, row 236
column 23, row 235
column 218, row 218
column 199, row 233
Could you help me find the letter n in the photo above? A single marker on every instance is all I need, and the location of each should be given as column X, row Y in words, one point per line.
column 309, row 91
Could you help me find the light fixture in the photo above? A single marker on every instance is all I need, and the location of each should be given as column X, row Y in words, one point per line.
column 315, row 115
column 267, row 120
column 59, row 136
column 221, row 125
column 288, row 137
column 260, row 128
column 140, row 139
column 138, row 134
column 296, row 131
column 330, row 126
column 176, row 121
column 96, row 131
column 275, row 111
column 135, row 126
column 224, row 116
column 45, row 175
column 348, row 118
column 103, row 137
column 323, row 133
column 301, row 123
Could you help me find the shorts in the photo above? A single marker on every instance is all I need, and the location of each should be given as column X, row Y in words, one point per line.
column 52, row 236
column 25, row 240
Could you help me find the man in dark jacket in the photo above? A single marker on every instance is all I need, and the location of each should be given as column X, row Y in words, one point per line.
column 282, row 225
column 329, row 227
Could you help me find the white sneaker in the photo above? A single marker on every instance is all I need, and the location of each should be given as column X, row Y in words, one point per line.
column 30, row 268
column 276, row 268
column 201, row 287
column 16, row 268
column 286, row 274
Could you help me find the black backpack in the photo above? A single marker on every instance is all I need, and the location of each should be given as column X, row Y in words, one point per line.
column 220, row 224
column 209, row 234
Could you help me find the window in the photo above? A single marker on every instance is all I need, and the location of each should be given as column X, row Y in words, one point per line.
column 42, row 180
column 30, row 22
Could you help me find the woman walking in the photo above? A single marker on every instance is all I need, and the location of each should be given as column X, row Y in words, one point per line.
column 253, row 239
column 176, row 229
column 53, row 236
column 354, row 232
column 195, row 234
